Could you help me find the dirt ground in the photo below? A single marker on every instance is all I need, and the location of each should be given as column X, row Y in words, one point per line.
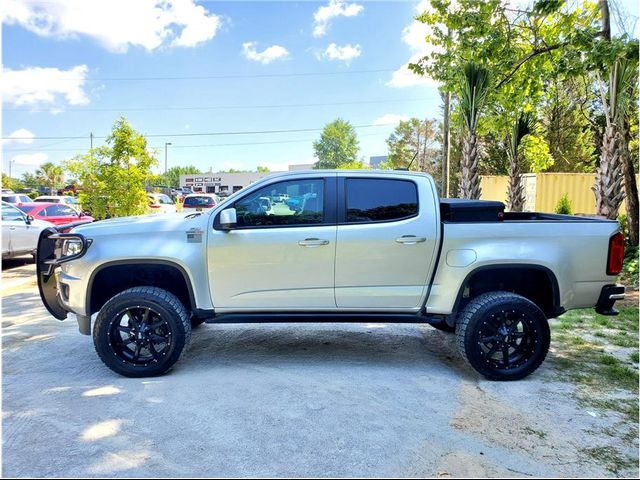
column 283, row 400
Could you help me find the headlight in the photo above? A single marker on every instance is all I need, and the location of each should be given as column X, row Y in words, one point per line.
column 70, row 247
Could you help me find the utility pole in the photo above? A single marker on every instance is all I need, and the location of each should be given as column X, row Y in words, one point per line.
column 91, row 139
column 166, row 144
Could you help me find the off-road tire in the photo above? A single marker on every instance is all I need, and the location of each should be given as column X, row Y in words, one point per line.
column 485, row 312
column 170, row 311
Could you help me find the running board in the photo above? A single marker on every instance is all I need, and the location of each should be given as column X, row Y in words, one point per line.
column 323, row 317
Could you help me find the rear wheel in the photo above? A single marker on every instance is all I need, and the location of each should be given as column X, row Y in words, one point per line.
column 503, row 336
column 142, row 332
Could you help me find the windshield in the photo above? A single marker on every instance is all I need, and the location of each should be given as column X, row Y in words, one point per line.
column 26, row 208
column 198, row 201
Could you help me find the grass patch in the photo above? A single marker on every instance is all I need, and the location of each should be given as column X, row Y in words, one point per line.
column 532, row 431
column 610, row 458
column 635, row 357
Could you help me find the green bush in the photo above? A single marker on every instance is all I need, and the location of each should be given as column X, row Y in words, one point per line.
column 33, row 195
column 564, row 205
column 631, row 267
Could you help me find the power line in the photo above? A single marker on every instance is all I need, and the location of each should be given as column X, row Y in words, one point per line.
column 220, row 107
column 230, row 76
column 192, row 146
column 204, row 134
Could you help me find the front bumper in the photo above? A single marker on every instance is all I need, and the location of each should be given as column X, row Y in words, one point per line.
column 608, row 296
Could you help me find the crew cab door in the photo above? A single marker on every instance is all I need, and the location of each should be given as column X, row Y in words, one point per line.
column 281, row 254
column 387, row 242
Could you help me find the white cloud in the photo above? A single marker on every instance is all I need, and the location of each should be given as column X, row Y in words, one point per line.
column 390, row 119
column 117, row 24
column 38, row 85
column 345, row 53
column 30, row 159
column 414, row 36
column 335, row 8
column 22, row 135
column 268, row 55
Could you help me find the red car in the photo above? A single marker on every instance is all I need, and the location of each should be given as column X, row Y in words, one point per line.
column 56, row 213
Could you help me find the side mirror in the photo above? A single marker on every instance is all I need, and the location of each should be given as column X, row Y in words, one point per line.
column 28, row 219
column 228, row 219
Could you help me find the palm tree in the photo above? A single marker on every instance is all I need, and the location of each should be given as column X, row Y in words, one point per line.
column 524, row 126
column 51, row 175
column 608, row 188
column 474, row 90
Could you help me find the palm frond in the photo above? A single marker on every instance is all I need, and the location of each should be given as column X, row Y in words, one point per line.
column 475, row 86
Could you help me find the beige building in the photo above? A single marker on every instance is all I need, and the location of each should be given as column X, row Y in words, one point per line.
column 220, row 183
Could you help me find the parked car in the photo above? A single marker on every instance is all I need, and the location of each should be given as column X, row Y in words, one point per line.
column 161, row 203
column 20, row 232
column 362, row 246
column 63, row 199
column 15, row 198
column 6, row 190
column 200, row 201
column 56, row 213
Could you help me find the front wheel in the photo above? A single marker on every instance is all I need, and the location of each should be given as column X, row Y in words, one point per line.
column 141, row 332
column 503, row 336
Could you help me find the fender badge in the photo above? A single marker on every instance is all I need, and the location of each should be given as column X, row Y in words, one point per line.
column 194, row 235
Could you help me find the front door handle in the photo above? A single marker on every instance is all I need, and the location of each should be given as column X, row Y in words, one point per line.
column 410, row 239
column 313, row 242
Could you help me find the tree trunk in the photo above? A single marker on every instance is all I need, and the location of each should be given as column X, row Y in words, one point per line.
column 516, row 198
column 631, row 189
column 609, row 178
column 470, row 176
column 446, row 146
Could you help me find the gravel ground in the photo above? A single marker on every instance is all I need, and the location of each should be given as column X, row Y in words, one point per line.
column 278, row 400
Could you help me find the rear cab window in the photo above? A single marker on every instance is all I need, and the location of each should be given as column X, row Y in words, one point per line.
column 380, row 200
column 198, row 201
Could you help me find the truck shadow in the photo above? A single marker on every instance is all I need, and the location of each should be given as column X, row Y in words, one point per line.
column 305, row 344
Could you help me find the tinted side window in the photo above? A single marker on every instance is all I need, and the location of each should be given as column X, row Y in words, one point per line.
column 296, row 202
column 375, row 200
column 11, row 214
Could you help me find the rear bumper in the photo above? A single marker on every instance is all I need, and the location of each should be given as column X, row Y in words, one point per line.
column 608, row 296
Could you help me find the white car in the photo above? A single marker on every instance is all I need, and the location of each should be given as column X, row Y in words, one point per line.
column 20, row 232
column 161, row 203
column 15, row 198
column 64, row 199
column 200, row 201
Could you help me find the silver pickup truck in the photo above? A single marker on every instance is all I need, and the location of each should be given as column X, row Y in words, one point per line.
column 346, row 246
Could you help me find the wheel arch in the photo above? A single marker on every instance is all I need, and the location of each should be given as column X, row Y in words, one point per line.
column 183, row 289
column 493, row 277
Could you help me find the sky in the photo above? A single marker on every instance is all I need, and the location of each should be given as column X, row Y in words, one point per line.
column 182, row 70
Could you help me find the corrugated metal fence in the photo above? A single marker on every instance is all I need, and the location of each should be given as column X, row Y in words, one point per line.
column 544, row 190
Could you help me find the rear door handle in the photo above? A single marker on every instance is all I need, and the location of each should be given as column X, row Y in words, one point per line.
column 410, row 239
column 313, row 242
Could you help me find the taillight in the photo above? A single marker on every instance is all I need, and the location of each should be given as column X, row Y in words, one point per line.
column 616, row 254
column 154, row 206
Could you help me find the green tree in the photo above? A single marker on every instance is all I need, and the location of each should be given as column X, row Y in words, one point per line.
column 338, row 145
column 515, row 192
column 171, row 177
column 50, row 175
column 474, row 89
column 415, row 138
column 30, row 180
column 114, row 176
column 262, row 169
column 11, row 183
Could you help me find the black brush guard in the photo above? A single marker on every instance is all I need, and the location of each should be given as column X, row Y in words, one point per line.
column 48, row 258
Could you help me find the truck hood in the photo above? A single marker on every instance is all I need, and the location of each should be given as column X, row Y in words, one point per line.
column 142, row 223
